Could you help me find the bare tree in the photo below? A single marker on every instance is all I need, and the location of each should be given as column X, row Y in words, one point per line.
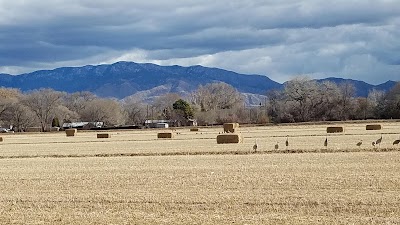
column 216, row 96
column 65, row 115
column 347, row 91
column 389, row 106
column 8, row 96
column 304, row 95
column 135, row 112
column 103, row 110
column 78, row 101
column 20, row 116
column 162, row 106
column 374, row 100
column 43, row 102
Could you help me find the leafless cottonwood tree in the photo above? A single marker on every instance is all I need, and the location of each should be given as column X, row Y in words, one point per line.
column 8, row 96
column 216, row 103
column 20, row 116
column 162, row 106
column 216, row 96
column 135, row 112
column 43, row 102
column 108, row 111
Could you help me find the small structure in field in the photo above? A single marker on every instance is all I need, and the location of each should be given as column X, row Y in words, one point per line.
column 83, row 125
column 104, row 135
column 230, row 127
column 165, row 135
column 229, row 139
column 54, row 129
column 334, row 130
column 71, row 132
column 162, row 125
column 373, row 127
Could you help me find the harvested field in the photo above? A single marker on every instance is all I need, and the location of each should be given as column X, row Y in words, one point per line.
column 302, row 138
column 48, row 178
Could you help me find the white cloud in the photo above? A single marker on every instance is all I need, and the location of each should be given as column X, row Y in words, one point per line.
column 348, row 38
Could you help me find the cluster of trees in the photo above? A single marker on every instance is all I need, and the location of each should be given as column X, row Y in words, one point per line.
column 301, row 100
column 47, row 107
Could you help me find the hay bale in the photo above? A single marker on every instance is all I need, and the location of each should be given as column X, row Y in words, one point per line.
column 194, row 129
column 33, row 129
column 334, row 130
column 229, row 138
column 104, row 135
column 165, row 135
column 373, row 127
column 230, row 127
column 71, row 132
column 1, row 139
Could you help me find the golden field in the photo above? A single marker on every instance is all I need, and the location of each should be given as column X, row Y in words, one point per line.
column 135, row 178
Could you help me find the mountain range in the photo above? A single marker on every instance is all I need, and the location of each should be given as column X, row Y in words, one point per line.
column 144, row 81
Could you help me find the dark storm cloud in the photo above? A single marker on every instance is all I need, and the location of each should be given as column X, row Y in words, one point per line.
column 355, row 39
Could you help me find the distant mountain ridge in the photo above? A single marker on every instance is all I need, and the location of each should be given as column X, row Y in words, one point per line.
column 362, row 88
column 145, row 80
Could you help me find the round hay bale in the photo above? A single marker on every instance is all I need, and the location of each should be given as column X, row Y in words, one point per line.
column 229, row 139
column 104, row 135
column 334, row 130
column 165, row 135
column 71, row 132
column 373, row 127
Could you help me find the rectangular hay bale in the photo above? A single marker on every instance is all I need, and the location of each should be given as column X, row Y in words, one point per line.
column 373, row 127
column 104, row 135
column 229, row 139
column 230, row 127
column 71, row 132
column 1, row 139
column 165, row 135
column 334, row 130
column 194, row 129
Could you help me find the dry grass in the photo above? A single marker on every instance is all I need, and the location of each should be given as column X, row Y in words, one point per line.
column 351, row 188
column 192, row 180
column 308, row 138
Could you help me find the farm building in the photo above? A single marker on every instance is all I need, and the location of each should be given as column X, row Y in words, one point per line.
column 158, row 123
column 82, row 125
column 169, row 123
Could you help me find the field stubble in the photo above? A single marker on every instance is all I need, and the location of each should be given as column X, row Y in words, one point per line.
column 340, row 188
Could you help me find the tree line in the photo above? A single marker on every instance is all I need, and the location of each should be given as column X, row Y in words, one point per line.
column 301, row 100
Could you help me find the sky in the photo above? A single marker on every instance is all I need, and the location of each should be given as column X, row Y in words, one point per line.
column 282, row 39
